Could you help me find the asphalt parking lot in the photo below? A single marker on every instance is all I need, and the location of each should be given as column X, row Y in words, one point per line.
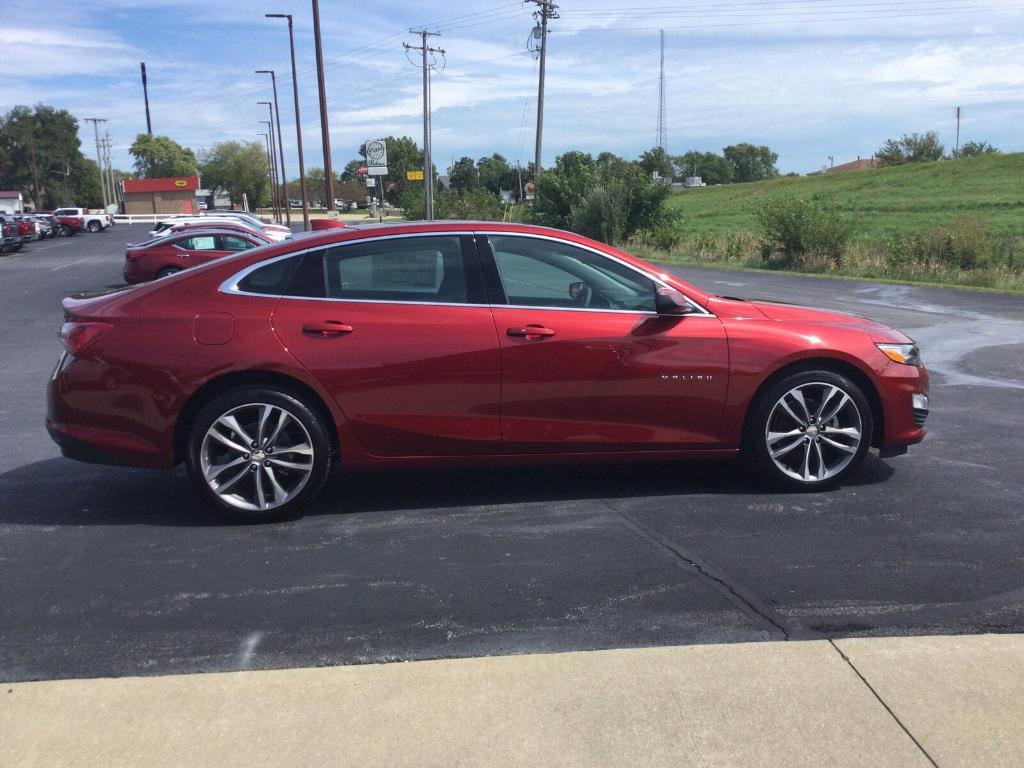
column 108, row 572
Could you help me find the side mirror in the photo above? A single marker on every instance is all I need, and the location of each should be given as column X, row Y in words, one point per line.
column 669, row 301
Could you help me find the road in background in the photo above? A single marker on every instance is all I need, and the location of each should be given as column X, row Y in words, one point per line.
column 107, row 571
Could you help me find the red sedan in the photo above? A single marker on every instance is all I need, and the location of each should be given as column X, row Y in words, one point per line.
column 462, row 343
column 164, row 256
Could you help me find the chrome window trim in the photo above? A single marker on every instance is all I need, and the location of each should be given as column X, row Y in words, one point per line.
column 230, row 286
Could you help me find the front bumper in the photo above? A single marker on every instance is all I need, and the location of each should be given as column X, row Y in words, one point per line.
column 903, row 390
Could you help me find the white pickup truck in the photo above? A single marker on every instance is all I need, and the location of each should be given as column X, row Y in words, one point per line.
column 94, row 222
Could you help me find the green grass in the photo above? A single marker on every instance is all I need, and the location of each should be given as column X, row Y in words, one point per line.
column 881, row 201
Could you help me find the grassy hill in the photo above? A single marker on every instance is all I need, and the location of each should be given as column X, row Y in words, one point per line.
column 950, row 223
column 880, row 201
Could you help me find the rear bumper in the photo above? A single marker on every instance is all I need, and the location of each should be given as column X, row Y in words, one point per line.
column 86, row 418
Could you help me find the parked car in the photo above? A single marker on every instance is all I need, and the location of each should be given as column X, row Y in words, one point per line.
column 272, row 232
column 66, row 225
column 46, row 226
column 164, row 256
column 295, row 204
column 454, row 343
column 26, row 228
column 254, row 221
column 9, row 240
column 94, row 222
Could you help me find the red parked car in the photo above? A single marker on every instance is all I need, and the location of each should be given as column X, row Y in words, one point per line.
column 164, row 256
column 455, row 343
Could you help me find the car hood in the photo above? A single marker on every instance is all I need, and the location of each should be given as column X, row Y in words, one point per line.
column 790, row 313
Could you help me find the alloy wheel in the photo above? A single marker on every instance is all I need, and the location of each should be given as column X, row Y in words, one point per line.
column 256, row 457
column 813, row 432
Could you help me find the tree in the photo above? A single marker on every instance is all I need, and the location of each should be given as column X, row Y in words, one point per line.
column 710, row 167
column 977, row 148
column 40, row 154
column 351, row 172
column 911, row 148
column 238, row 169
column 657, row 160
column 158, row 157
column 751, row 163
column 463, row 176
column 496, row 174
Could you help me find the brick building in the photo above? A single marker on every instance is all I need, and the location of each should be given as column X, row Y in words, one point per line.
column 143, row 197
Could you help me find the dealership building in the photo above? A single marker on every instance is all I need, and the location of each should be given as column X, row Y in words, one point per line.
column 143, row 197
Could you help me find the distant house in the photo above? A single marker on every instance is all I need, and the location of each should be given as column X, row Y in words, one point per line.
column 855, row 165
column 11, row 202
column 144, row 197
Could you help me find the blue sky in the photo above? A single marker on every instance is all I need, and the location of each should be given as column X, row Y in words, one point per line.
column 810, row 78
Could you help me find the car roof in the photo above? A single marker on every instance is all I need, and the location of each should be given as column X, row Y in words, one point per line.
column 215, row 230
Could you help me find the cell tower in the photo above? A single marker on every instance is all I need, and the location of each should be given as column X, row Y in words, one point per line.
column 662, row 141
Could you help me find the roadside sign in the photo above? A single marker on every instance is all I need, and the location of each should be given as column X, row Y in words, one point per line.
column 376, row 158
column 414, row 175
column 371, row 182
column 530, row 188
column 361, row 170
column 530, row 196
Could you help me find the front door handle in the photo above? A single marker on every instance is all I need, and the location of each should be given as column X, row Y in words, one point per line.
column 531, row 332
column 327, row 328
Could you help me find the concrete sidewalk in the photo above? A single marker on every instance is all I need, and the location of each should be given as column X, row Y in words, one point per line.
column 947, row 701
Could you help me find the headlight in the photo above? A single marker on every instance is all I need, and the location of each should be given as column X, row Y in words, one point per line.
column 908, row 354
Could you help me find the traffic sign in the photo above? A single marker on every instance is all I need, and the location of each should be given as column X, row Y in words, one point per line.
column 414, row 175
column 530, row 188
column 361, row 170
column 371, row 182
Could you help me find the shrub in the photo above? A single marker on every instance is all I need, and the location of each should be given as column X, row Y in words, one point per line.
column 792, row 228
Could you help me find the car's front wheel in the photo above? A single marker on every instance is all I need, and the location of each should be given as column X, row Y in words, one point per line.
column 809, row 430
column 258, row 454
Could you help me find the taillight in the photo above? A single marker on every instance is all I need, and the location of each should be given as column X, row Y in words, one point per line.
column 76, row 336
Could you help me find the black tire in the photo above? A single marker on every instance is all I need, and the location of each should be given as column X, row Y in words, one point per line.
column 814, row 454
column 65, row 230
column 167, row 271
column 238, row 403
column 94, row 226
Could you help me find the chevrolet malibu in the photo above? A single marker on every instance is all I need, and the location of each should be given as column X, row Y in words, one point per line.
column 163, row 256
column 460, row 343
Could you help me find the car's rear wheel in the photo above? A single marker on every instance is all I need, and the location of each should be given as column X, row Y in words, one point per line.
column 258, row 454
column 65, row 230
column 167, row 271
column 809, row 431
column 95, row 226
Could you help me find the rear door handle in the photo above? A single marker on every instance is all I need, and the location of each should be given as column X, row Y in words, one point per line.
column 531, row 332
column 327, row 328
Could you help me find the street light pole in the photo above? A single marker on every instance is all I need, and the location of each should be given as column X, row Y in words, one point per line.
column 280, row 147
column 273, row 171
column 273, row 155
column 298, row 123
column 270, row 166
column 324, row 129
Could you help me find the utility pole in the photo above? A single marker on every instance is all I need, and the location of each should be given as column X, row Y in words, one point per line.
column 99, row 158
column 546, row 9
column 108, row 170
column 428, row 165
column 145, row 94
column 273, row 168
column 280, row 147
column 662, row 142
column 324, row 129
column 298, row 122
